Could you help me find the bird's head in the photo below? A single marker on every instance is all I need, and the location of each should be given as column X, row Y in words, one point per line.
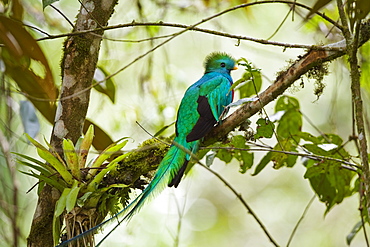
column 219, row 62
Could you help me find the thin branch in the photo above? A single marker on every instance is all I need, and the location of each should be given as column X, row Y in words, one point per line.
column 343, row 18
column 300, row 220
column 353, row 43
column 193, row 27
column 227, row 184
column 282, row 23
column 62, row 14
column 361, row 209
column 309, row 156
column 152, row 136
column 34, row 28
column 190, row 28
column 245, row 204
column 332, row 47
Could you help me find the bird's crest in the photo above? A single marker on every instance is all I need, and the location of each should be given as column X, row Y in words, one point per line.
column 211, row 61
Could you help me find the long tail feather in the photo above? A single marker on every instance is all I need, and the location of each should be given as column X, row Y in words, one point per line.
column 167, row 170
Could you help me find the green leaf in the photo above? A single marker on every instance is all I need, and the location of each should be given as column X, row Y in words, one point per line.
column 71, row 158
column 330, row 181
column 263, row 163
column 365, row 66
column 52, row 182
column 290, row 125
column 61, row 203
column 102, row 140
column 265, row 128
column 246, row 161
column 85, row 146
column 286, row 103
column 52, row 160
column 315, row 149
column 252, row 78
column 282, row 159
column 331, row 138
column 252, row 86
column 37, row 162
column 356, row 228
column 35, row 143
column 36, row 167
column 61, row 169
column 71, row 199
column 46, row 3
column 308, row 137
column 99, row 177
column 81, row 200
column 244, row 157
column 56, row 230
column 224, row 155
column 108, row 152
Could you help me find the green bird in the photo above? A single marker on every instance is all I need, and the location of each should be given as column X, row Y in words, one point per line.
column 200, row 110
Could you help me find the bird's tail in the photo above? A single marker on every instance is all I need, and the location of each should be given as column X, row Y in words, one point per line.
column 167, row 170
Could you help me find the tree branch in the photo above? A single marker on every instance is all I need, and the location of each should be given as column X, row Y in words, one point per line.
column 354, row 42
column 283, row 81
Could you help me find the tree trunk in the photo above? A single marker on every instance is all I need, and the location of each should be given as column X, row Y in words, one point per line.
column 78, row 66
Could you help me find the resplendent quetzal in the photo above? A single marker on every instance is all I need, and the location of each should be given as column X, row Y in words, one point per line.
column 199, row 111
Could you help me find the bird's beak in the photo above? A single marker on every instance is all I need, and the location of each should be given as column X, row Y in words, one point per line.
column 235, row 68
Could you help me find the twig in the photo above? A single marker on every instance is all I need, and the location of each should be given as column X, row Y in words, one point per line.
column 282, row 23
column 361, row 209
column 151, row 134
column 300, row 220
column 334, row 23
column 62, row 14
column 185, row 29
column 245, row 204
column 227, row 184
column 310, row 156
column 203, row 30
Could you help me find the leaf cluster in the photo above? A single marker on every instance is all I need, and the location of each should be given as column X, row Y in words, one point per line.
column 79, row 182
column 323, row 154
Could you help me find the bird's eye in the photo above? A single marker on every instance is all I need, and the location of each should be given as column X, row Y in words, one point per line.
column 223, row 65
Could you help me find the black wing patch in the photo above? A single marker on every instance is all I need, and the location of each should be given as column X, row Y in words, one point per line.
column 177, row 178
column 205, row 123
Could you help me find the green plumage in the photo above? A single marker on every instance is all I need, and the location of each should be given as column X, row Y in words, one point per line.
column 199, row 111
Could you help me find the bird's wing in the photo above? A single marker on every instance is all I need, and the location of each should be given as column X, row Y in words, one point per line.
column 217, row 91
column 213, row 96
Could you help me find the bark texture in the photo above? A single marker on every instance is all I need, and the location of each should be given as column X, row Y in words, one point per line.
column 78, row 66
